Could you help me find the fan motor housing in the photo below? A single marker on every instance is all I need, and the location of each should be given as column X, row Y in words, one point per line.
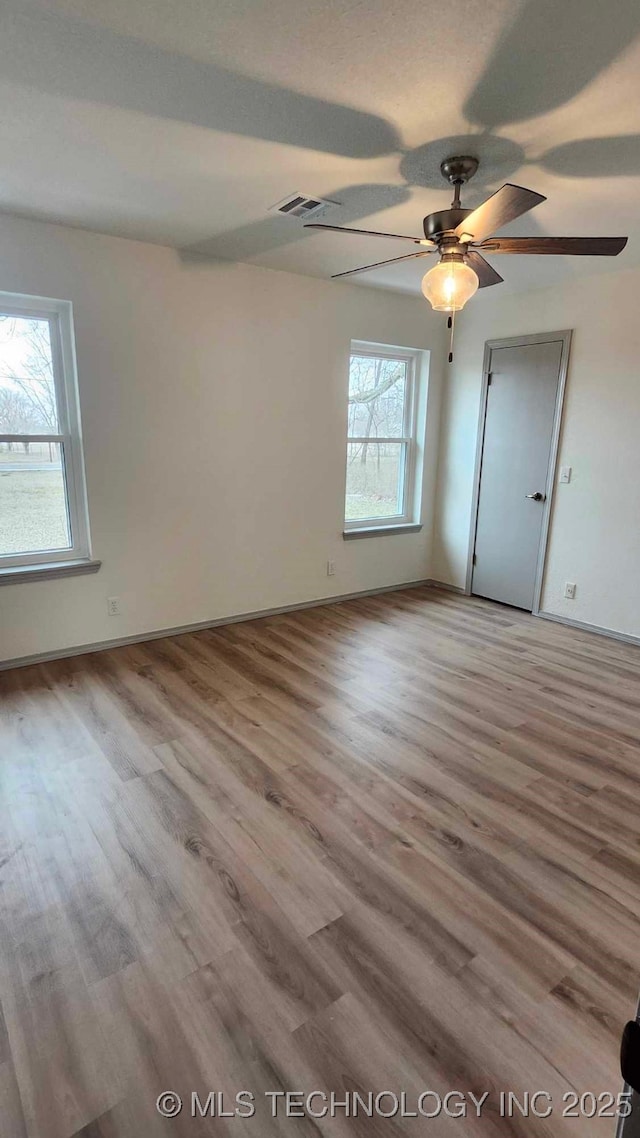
column 444, row 221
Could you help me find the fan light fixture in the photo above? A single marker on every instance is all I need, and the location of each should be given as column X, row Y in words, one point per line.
column 449, row 285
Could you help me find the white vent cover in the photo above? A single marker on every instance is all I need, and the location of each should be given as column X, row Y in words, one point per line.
column 300, row 205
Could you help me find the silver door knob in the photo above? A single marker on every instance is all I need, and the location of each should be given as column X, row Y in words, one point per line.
column 537, row 497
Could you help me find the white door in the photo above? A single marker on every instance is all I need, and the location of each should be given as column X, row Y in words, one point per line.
column 518, row 432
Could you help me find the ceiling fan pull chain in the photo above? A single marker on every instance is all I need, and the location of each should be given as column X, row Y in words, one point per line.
column 452, row 325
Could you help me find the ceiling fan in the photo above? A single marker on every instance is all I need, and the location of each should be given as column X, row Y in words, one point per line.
column 460, row 237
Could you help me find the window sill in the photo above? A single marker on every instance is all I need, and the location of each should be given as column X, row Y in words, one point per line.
column 378, row 531
column 19, row 574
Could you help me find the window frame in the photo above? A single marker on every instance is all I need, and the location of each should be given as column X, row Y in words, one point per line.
column 59, row 316
column 407, row 516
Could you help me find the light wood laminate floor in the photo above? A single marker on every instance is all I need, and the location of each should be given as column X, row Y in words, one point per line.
column 388, row 844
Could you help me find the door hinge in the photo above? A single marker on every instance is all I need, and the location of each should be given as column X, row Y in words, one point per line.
column 474, row 559
column 489, row 378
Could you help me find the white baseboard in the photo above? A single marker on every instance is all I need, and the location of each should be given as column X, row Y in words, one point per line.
column 446, row 586
column 160, row 633
column 582, row 625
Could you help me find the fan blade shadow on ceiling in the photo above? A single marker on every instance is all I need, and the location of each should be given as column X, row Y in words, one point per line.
column 550, row 53
column 248, row 241
column 499, row 158
column 67, row 57
column 614, row 157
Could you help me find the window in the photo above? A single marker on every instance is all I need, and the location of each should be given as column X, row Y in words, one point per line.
column 43, row 515
column 381, row 443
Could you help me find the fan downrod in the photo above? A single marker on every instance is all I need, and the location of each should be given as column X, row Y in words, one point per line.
column 439, row 226
column 458, row 170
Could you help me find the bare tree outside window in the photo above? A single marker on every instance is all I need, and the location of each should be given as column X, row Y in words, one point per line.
column 27, row 387
column 34, row 511
column 380, row 427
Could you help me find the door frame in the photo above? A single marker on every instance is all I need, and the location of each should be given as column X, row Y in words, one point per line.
column 515, row 342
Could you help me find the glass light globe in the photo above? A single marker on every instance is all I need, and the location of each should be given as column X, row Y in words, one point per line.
column 449, row 285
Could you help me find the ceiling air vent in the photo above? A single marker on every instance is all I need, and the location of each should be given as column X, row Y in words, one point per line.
column 300, row 205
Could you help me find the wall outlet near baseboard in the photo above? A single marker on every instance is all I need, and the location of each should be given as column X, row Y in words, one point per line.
column 113, row 606
column 331, row 568
column 570, row 590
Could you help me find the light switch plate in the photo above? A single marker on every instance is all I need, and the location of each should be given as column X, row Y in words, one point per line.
column 565, row 473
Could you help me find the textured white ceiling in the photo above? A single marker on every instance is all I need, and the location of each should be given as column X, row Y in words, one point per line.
column 182, row 122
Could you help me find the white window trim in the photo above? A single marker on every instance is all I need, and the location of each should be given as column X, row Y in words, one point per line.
column 76, row 559
column 406, row 521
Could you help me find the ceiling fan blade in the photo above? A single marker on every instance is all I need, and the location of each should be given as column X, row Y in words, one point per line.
column 576, row 246
column 487, row 275
column 502, row 207
column 369, row 233
column 378, row 264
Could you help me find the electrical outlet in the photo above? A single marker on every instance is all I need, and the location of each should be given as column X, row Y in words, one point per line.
column 331, row 568
column 570, row 590
column 113, row 606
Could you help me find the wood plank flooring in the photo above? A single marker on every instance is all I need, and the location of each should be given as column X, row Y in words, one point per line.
column 391, row 844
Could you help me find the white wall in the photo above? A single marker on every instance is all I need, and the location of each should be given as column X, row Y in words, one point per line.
column 595, row 530
column 213, row 400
